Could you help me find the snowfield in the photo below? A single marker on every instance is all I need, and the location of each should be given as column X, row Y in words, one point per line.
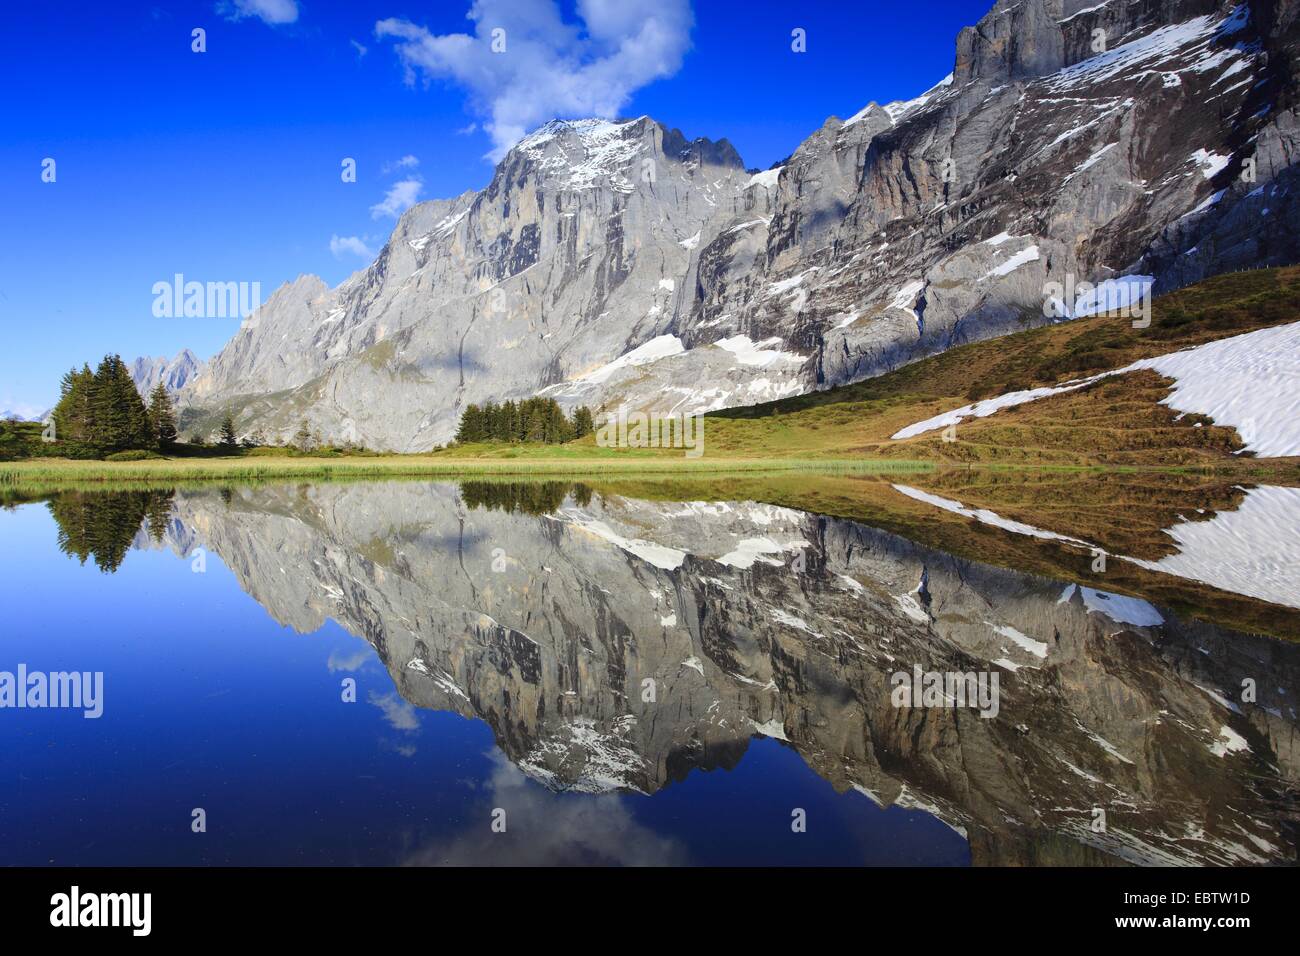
column 1254, row 551
column 1250, row 382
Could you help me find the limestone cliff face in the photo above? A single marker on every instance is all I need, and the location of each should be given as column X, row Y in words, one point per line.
column 612, row 263
column 616, row 645
column 575, row 253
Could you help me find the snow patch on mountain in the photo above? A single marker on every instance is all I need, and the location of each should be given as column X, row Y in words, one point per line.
column 1118, row 607
column 657, row 348
column 1254, row 550
column 760, row 354
column 1023, row 257
column 1208, row 381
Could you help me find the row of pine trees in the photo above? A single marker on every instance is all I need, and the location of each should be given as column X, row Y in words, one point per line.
column 532, row 420
column 101, row 412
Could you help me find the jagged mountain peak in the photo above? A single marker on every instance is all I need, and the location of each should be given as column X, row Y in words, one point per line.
column 174, row 373
column 585, row 153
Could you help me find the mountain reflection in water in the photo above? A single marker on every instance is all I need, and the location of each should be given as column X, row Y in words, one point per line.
column 617, row 644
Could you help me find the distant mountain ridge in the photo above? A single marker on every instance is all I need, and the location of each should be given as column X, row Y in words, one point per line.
column 617, row 262
column 175, row 373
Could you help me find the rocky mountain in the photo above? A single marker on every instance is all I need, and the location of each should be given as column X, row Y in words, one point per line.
column 174, row 373
column 547, row 622
column 19, row 415
column 616, row 262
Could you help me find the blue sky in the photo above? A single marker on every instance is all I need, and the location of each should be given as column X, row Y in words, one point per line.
column 225, row 165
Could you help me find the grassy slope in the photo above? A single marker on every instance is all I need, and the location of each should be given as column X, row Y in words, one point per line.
column 1115, row 422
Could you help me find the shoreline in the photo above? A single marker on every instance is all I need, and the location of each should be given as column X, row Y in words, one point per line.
column 236, row 468
column 262, row 468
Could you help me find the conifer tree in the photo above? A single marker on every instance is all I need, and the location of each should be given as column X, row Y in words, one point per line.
column 302, row 437
column 162, row 418
column 229, row 441
column 471, row 425
column 119, row 420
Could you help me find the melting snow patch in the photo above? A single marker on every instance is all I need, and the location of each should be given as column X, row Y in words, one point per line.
column 1037, row 648
column 984, row 516
column 1091, row 161
column 901, row 108
column 1000, row 238
column 905, row 297
column 785, row 285
column 986, row 407
column 751, row 550
column 1210, row 380
column 664, row 558
column 760, row 354
column 1023, row 257
column 1125, row 292
column 767, row 179
column 912, row 608
column 789, row 620
column 1229, row 742
column 1210, row 163
column 657, row 348
column 1207, row 381
column 1117, row 607
column 1190, row 42
column 1254, row 550
column 1103, row 743
column 771, row 728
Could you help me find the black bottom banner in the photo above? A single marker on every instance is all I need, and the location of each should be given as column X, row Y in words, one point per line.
column 333, row 906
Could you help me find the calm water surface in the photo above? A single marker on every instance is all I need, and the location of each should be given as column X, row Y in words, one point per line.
column 374, row 673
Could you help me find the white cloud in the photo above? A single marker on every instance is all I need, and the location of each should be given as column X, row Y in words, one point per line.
column 558, row 829
column 399, row 714
column 548, row 68
column 401, row 196
column 268, row 11
column 352, row 244
column 360, row 48
column 352, row 662
column 406, row 162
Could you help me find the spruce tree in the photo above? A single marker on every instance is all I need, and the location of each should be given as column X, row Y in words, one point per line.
column 583, row 424
column 162, row 418
column 73, row 421
column 471, row 425
column 302, row 437
column 229, row 442
column 119, row 420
